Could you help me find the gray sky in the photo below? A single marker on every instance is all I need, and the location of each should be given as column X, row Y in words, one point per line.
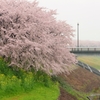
column 84, row 12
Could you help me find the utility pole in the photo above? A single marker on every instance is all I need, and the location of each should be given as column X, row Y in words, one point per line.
column 78, row 36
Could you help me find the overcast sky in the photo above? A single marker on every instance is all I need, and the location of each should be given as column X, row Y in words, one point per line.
column 84, row 12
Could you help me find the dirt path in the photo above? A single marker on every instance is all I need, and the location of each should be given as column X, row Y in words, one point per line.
column 65, row 96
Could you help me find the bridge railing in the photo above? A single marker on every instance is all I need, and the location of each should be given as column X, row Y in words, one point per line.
column 84, row 49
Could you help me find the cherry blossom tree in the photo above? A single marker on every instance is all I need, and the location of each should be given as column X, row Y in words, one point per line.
column 31, row 37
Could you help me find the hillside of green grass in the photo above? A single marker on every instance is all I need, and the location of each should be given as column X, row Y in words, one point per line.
column 40, row 92
column 92, row 60
column 17, row 84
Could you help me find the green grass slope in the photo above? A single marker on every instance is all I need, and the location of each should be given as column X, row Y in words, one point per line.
column 40, row 92
column 22, row 85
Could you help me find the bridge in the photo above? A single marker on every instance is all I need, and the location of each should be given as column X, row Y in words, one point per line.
column 80, row 50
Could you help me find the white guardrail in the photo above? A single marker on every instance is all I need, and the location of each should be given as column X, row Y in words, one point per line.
column 92, row 96
column 90, row 68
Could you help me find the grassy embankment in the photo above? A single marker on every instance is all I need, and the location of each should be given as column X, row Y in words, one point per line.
column 92, row 60
column 21, row 85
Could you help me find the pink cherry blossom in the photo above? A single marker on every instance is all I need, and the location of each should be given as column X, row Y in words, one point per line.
column 31, row 37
